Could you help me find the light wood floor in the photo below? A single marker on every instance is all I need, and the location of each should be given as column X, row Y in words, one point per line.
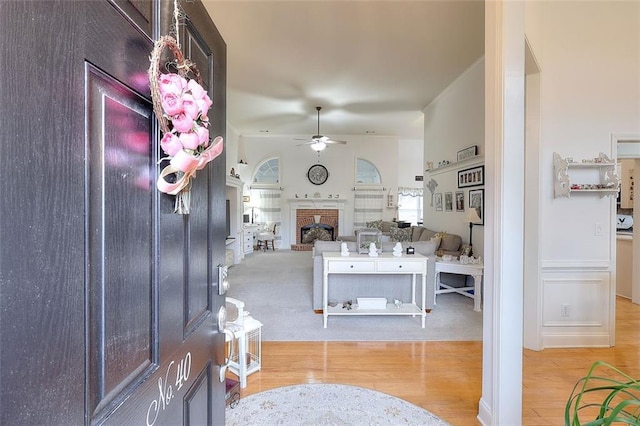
column 445, row 377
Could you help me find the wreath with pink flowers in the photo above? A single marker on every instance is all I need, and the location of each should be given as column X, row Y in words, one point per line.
column 181, row 106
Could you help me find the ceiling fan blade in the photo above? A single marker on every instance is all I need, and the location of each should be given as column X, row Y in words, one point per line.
column 318, row 139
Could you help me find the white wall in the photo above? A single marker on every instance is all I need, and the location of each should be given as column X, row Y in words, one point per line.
column 383, row 151
column 452, row 122
column 231, row 147
column 410, row 161
column 589, row 90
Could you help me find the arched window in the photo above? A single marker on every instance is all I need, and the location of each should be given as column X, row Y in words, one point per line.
column 367, row 173
column 369, row 195
column 267, row 173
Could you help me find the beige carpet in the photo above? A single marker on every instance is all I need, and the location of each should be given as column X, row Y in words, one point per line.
column 276, row 288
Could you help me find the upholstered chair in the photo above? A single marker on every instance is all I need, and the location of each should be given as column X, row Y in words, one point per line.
column 266, row 237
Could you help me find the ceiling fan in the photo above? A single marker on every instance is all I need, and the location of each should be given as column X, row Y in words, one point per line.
column 319, row 142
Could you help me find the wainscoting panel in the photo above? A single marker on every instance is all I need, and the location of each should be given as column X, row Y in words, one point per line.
column 577, row 308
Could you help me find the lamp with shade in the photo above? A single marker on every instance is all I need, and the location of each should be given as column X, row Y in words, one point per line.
column 472, row 217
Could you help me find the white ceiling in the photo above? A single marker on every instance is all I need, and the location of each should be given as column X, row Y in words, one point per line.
column 372, row 66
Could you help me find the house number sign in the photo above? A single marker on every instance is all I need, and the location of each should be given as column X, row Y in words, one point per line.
column 165, row 389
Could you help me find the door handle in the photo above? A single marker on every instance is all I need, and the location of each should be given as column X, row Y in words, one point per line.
column 227, row 360
column 222, row 328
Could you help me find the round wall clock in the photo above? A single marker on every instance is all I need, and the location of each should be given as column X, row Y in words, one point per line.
column 317, row 174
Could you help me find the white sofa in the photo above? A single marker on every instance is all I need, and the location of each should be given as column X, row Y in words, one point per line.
column 372, row 285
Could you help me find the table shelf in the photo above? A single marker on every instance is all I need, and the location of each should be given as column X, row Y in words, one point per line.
column 391, row 309
column 383, row 264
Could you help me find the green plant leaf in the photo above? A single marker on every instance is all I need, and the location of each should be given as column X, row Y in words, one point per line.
column 610, row 400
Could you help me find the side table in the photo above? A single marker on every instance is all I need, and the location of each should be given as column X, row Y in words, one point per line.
column 474, row 270
column 246, row 358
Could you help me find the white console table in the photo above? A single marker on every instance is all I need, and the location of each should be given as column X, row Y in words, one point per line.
column 384, row 263
column 455, row 267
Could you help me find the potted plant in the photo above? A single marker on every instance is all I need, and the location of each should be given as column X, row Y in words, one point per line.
column 604, row 396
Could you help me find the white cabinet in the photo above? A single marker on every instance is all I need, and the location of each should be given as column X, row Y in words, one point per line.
column 624, row 265
column 597, row 175
column 247, row 241
column 248, row 238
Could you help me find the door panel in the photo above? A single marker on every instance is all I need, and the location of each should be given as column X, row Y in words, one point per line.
column 197, row 408
column 120, row 237
column 196, row 297
column 108, row 297
column 139, row 11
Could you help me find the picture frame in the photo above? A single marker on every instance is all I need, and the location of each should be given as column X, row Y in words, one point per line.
column 472, row 151
column 459, row 201
column 471, row 177
column 465, row 250
column 448, row 201
column 476, row 200
column 437, row 197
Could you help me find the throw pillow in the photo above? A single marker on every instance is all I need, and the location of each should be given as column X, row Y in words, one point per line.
column 441, row 234
column 387, row 226
column 400, row 234
column 376, row 224
column 416, row 232
column 427, row 234
column 426, row 248
column 451, row 242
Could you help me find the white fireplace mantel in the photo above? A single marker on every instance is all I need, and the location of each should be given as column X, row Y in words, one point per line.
column 313, row 204
column 317, row 203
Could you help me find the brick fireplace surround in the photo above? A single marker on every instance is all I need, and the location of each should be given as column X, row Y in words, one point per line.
column 306, row 217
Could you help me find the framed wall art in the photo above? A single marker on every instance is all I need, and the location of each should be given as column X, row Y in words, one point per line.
column 459, row 201
column 437, row 198
column 471, row 177
column 448, row 201
column 476, row 201
column 472, row 151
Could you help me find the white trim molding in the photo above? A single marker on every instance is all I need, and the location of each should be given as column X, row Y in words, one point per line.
column 501, row 401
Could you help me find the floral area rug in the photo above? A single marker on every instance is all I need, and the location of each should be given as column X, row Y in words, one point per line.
column 327, row 404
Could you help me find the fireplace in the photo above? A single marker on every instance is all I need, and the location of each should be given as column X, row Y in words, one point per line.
column 315, row 224
column 316, row 231
column 314, row 219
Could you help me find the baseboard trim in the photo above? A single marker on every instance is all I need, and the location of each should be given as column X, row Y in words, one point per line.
column 484, row 413
column 576, row 340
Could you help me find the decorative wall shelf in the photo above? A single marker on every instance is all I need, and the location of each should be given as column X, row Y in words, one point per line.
column 608, row 180
column 469, row 162
column 234, row 182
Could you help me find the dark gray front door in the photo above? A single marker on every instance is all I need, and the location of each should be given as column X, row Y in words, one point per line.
column 108, row 299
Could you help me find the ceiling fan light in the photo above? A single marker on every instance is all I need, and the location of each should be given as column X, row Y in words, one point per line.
column 318, row 145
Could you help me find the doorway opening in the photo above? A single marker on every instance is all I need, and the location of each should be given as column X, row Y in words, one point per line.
column 628, row 210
